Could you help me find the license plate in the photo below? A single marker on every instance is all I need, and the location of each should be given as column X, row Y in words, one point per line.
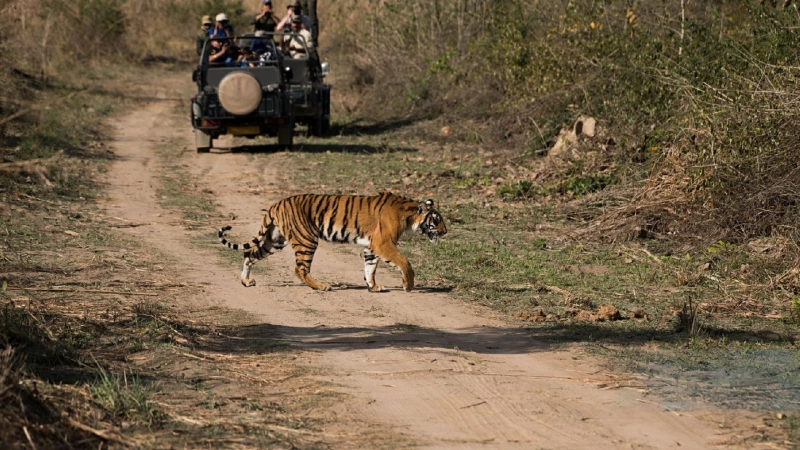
column 239, row 131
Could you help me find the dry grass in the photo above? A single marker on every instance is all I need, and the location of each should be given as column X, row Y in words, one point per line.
column 139, row 359
column 660, row 207
column 53, row 38
column 106, row 352
column 31, row 416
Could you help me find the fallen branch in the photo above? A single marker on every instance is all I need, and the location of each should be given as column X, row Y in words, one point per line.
column 129, row 225
column 652, row 256
column 101, row 434
column 36, row 166
column 189, row 355
column 557, row 290
column 312, row 433
column 34, row 108
column 474, row 404
column 15, row 115
column 44, row 327
column 28, row 435
column 81, row 291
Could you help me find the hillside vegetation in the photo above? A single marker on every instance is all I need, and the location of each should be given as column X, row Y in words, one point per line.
column 695, row 99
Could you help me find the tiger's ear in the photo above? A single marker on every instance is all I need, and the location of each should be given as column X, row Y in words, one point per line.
column 425, row 207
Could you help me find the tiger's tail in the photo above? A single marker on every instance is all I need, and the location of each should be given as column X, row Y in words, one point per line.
column 254, row 243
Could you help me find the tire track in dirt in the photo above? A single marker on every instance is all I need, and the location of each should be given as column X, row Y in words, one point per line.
column 446, row 374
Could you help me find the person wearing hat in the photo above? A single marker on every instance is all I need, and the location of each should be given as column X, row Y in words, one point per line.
column 294, row 42
column 203, row 35
column 223, row 52
column 266, row 21
column 222, row 28
column 293, row 10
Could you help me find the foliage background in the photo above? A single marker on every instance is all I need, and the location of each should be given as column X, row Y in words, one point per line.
column 698, row 96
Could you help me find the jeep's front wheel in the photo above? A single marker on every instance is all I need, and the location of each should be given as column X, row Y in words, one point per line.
column 202, row 141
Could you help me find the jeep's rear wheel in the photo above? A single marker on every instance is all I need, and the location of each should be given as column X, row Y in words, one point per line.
column 319, row 126
column 326, row 125
column 286, row 137
column 202, row 141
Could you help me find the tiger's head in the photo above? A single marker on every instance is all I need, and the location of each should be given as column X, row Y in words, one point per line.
column 429, row 221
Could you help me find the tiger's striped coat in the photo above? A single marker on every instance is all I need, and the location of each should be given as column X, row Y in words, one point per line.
column 374, row 222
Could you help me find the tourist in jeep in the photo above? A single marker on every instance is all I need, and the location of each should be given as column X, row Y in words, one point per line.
column 259, row 42
column 202, row 35
column 222, row 28
column 223, row 53
column 246, row 58
column 294, row 44
column 266, row 21
column 292, row 11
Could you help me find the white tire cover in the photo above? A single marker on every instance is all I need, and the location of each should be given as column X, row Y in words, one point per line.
column 239, row 92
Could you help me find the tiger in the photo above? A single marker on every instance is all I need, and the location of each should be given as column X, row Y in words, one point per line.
column 375, row 222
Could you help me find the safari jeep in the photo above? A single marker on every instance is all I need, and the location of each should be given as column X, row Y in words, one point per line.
column 266, row 98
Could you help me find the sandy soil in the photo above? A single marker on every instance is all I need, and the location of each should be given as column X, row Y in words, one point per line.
column 445, row 374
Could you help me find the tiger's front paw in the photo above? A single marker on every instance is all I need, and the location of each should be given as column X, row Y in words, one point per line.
column 325, row 287
column 376, row 288
column 248, row 282
column 408, row 287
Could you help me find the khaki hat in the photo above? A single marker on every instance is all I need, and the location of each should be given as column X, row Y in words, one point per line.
column 207, row 20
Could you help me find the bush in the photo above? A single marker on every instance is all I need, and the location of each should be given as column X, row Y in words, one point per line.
column 517, row 190
column 708, row 87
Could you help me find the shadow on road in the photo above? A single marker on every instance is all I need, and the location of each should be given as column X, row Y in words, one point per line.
column 484, row 340
column 357, row 128
column 320, row 146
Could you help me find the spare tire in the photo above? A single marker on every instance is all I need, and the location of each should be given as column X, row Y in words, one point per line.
column 239, row 93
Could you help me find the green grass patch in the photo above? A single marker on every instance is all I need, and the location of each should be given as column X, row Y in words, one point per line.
column 792, row 427
column 521, row 189
column 125, row 397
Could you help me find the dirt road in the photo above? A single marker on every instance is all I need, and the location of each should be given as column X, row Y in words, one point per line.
column 442, row 373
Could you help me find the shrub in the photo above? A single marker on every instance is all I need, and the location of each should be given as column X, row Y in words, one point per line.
column 517, row 190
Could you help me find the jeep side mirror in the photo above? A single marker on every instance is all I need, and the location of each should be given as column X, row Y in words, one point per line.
column 195, row 75
column 287, row 72
column 326, row 68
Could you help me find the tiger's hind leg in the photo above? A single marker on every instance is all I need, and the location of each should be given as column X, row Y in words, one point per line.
column 304, row 255
column 370, row 265
column 247, row 264
column 273, row 242
column 388, row 252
